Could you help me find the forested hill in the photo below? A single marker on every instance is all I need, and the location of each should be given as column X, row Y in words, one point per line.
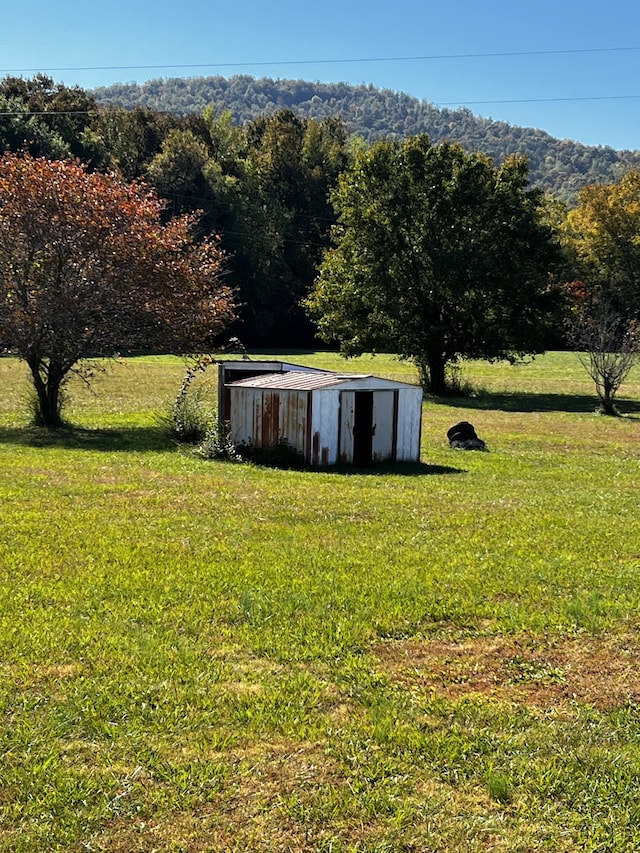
column 561, row 166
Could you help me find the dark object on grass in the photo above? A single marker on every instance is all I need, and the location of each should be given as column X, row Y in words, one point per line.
column 462, row 436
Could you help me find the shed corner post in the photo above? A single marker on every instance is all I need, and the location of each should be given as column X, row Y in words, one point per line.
column 222, row 399
column 309, row 428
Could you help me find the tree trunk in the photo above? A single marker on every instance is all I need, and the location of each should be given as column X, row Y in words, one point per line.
column 432, row 374
column 437, row 377
column 606, row 388
column 607, row 405
column 48, row 401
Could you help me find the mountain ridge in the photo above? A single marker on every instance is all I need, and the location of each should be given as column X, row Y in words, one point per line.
column 561, row 166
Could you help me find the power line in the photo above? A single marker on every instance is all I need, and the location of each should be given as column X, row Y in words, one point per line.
column 354, row 60
column 341, row 61
column 28, row 113
column 537, row 100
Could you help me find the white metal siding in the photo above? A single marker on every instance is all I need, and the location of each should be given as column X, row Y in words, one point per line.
column 241, row 416
column 409, row 424
column 382, row 438
column 324, row 426
column 324, row 434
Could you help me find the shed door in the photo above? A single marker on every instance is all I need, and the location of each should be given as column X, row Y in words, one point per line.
column 382, row 431
column 345, row 445
column 363, row 428
column 367, row 426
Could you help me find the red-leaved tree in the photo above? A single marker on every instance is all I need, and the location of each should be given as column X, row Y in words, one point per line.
column 88, row 268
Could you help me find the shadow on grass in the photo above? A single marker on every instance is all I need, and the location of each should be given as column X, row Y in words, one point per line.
column 533, row 402
column 396, row 469
column 141, row 439
column 127, row 439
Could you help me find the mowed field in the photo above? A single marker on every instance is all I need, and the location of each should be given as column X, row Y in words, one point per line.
column 207, row 656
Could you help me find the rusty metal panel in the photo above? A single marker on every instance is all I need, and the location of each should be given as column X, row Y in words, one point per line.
column 256, row 418
column 262, row 417
column 293, row 415
column 270, row 417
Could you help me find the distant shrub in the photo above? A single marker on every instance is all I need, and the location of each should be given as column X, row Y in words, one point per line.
column 193, row 415
column 457, row 384
column 217, row 444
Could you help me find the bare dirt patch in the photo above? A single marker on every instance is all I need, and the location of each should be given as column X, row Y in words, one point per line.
column 536, row 671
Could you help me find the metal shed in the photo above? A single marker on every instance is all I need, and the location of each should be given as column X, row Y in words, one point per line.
column 329, row 418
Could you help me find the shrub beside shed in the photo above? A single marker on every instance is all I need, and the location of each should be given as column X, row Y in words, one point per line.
column 329, row 418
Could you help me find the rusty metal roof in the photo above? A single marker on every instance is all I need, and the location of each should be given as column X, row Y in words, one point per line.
column 297, row 380
column 269, row 366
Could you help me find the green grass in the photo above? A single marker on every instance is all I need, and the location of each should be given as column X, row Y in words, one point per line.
column 201, row 655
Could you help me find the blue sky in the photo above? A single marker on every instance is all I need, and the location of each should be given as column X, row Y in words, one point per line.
column 571, row 69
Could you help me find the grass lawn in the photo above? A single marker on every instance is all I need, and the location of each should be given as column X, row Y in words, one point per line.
column 208, row 656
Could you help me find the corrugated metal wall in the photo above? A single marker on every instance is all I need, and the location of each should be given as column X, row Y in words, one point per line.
column 320, row 424
column 409, row 424
column 262, row 418
column 324, row 427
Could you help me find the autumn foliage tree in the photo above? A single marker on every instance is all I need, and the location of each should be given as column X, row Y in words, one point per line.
column 601, row 237
column 87, row 268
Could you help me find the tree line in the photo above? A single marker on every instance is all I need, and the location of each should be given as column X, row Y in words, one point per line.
column 286, row 228
column 262, row 187
column 562, row 167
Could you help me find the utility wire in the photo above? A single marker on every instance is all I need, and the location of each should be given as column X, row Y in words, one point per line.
column 538, row 100
column 354, row 60
column 29, row 113
column 345, row 60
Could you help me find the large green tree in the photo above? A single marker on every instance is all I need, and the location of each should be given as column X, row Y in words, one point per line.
column 289, row 167
column 438, row 255
column 132, row 138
